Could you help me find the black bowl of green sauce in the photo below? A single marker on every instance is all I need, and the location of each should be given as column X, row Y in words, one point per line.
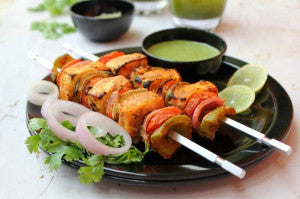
column 102, row 20
column 192, row 52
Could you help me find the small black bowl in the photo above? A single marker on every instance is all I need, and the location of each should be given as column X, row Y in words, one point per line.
column 186, row 69
column 102, row 29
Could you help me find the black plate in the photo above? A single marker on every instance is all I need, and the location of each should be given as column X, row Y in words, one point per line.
column 271, row 114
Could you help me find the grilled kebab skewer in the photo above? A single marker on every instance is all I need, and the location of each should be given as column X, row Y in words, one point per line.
column 237, row 171
column 258, row 136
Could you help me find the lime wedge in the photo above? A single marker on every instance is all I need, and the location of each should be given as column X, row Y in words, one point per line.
column 240, row 97
column 254, row 76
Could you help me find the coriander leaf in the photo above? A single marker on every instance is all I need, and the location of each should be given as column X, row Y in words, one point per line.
column 132, row 155
column 52, row 30
column 54, row 7
column 54, row 161
column 93, row 172
column 112, row 141
column 32, row 143
column 66, row 28
column 37, row 124
column 59, row 151
column 72, row 153
column 68, row 125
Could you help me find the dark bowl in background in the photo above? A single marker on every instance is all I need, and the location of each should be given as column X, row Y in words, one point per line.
column 186, row 69
column 102, row 29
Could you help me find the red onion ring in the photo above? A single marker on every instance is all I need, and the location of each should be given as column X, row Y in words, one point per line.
column 40, row 91
column 57, row 111
column 90, row 142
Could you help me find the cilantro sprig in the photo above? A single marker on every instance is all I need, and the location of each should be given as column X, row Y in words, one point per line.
column 60, row 150
column 52, row 29
column 54, row 7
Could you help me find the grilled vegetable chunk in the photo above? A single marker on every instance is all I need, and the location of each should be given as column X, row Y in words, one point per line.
column 153, row 78
column 210, row 123
column 133, row 110
column 69, row 77
column 166, row 146
column 123, row 65
column 99, row 92
column 179, row 96
column 155, row 119
column 201, row 111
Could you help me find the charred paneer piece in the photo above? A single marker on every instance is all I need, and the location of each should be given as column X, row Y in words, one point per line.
column 153, row 78
column 123, row 65
column 70, row 76
column 133, row 109
column 181, row 94
column 100, row 91
column 86, row 78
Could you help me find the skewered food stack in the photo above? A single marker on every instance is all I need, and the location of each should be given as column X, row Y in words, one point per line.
column 147, row 101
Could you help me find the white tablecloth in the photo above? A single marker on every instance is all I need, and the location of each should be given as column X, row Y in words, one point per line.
column 266, row 32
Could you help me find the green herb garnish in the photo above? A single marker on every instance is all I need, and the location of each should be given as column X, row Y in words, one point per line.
column 71, row 151
column 52, row 30
column 54, row 7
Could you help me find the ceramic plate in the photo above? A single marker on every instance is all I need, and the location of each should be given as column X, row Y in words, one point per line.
column 271, row 114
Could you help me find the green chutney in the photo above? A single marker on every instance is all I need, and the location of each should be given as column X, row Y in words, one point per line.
column 183, row 50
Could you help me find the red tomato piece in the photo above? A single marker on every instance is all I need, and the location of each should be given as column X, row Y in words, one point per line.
column 195, row 100
column 203, row 108
column 158, row 117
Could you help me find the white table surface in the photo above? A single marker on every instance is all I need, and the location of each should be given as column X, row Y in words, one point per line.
column 258, row 31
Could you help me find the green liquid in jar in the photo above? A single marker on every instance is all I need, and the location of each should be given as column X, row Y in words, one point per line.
column 183, row 50
column 197, row 9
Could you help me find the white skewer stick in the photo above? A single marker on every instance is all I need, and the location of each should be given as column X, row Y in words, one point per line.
column 228, row 166
column 80, row 52
column 260, row 137
column 40, row 60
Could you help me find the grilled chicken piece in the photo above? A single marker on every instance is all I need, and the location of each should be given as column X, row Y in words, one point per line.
column 152, row 78
column 181, row 94
column 133, row 109
column 99, row 92
column 68, row 77
column 123, row 65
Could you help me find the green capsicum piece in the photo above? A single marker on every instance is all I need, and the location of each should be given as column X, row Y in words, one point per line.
column 166, row 146
column 210, row 122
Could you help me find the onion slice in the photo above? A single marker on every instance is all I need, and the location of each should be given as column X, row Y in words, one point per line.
column 40, row 91
column 90, row 142
column 57, row 111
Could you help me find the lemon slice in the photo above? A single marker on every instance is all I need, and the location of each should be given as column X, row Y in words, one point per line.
column 240, row 97
column 254, row 76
